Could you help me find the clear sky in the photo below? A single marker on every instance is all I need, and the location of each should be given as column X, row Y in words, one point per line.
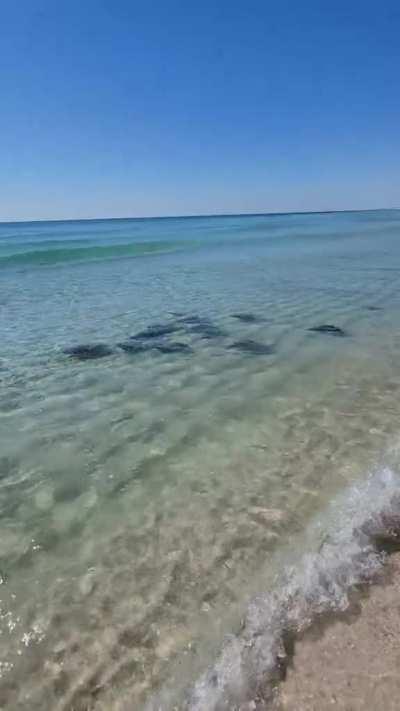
column 158, row 107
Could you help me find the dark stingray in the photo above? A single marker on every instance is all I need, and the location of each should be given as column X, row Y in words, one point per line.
column 374, row 308
column 192, row 319
column 198, row 325
column 203, row 327
column 207, row 331
column 253, row 347
column 329, row 329
column 246, row 318
column 134, row 348
column 157, row 330
column 173, row 347
column 89, row 351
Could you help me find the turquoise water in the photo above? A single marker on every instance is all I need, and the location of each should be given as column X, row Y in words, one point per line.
column 147, row 495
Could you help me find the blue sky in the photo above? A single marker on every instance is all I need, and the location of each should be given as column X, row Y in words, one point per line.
column 119, row 108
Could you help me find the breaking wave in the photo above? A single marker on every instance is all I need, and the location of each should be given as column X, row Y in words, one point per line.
column 356, row 533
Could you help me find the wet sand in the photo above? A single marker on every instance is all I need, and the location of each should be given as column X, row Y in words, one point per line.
column 351, row 663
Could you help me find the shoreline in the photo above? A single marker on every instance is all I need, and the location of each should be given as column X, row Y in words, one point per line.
column 276, row 654
column 349, row 661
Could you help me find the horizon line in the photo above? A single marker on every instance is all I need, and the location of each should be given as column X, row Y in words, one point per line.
column 197, row 216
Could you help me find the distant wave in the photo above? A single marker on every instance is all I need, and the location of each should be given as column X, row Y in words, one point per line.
column 361, row 523
column 57, row 255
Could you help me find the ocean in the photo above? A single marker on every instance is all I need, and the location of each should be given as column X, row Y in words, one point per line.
column 197, row 417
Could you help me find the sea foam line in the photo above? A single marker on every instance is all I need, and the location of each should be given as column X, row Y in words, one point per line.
column 360, row 526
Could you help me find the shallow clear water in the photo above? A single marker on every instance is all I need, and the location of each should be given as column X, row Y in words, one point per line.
column 145, row 497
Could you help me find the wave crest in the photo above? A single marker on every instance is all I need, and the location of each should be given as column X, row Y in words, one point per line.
column 59, row 255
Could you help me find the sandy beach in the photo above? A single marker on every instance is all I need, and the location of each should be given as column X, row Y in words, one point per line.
column 351, row 662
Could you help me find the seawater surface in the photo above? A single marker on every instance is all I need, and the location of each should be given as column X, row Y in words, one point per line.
column 150, row 496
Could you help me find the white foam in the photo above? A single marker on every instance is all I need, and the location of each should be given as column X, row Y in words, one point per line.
column 248, row 665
